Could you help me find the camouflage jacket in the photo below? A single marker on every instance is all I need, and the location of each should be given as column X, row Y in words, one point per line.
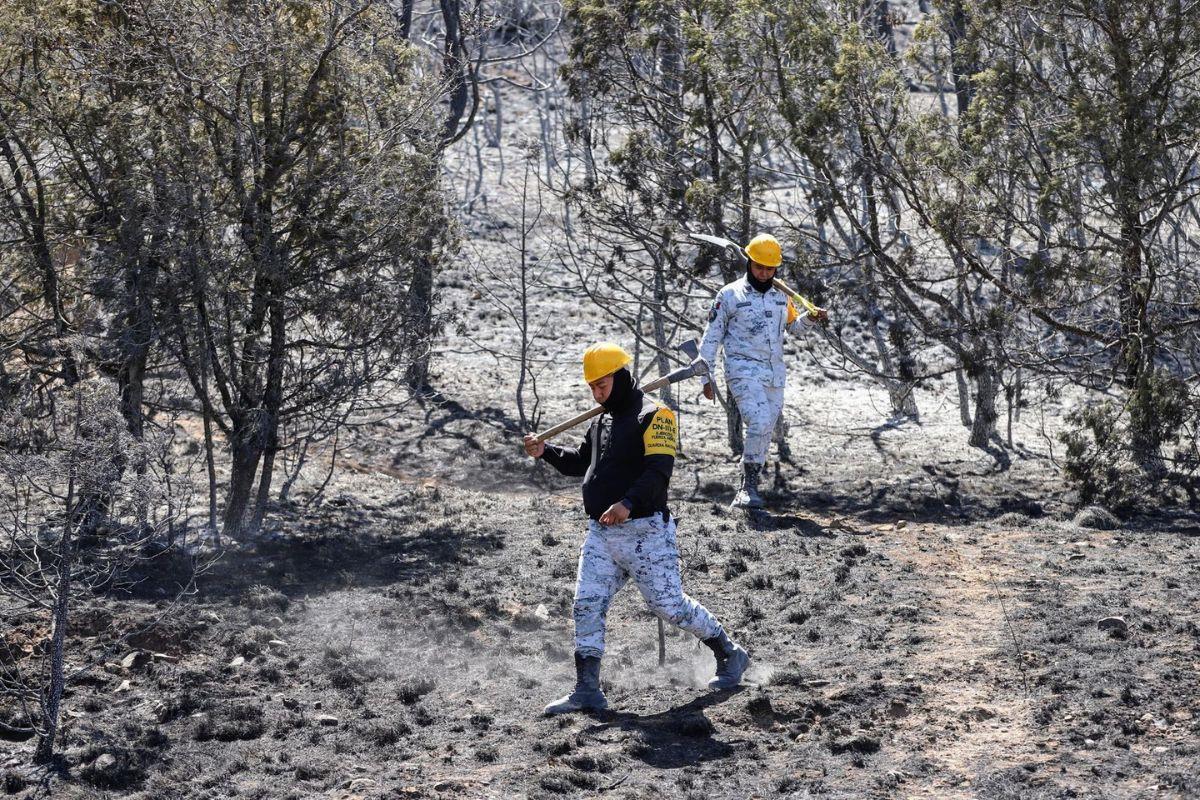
column 750, row 325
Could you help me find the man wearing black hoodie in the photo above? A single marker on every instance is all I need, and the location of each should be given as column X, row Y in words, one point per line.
column 626, row 460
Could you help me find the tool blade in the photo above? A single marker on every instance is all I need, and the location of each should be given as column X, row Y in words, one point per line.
column 717, row 240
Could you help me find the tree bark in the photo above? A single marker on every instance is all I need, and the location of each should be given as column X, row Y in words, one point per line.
column 454, row 70
column 420, row 304
column 52, row 698
column 80, row 514
column 272, row 405
column 245, row 453
column 209, row 449
column 1136, row 283
column 964, row 397
column 136, row 342
column 660, row 331
column 406, row 15
column 983, row 428
column 962, row 67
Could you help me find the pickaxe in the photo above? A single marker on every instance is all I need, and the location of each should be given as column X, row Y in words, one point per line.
column 697, row 367
column 809, row 306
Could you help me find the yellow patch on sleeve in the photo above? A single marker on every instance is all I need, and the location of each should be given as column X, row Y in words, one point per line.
column 792, row 313
column 662, row 437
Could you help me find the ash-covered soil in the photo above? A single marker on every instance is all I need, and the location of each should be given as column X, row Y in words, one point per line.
column 926, row 620
column 399, row 637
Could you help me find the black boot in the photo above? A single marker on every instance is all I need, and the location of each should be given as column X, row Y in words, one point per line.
column 732, row 661
column 748, row 496
column 587, row 695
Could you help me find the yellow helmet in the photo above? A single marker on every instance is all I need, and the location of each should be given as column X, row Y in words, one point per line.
column 764, row 249
column 603, row 358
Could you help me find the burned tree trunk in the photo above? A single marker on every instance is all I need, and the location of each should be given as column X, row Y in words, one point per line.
column 245, row 452
column 51, row 699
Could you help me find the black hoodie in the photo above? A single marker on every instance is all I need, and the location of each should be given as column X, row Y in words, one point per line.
column 636, row 439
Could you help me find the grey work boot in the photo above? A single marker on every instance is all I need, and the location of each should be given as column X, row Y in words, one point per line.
column 732, row 661
column 587, row 695
column 748, row 496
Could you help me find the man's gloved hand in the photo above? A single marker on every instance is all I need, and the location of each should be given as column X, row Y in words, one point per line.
column 709, row 392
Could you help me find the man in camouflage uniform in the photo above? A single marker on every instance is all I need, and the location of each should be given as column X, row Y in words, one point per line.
column 748, row 319
column 626, row 459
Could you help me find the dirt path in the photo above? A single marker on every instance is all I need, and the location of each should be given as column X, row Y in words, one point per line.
column 980, row 700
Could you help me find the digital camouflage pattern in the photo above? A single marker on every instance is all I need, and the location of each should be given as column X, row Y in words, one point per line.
column 643, row 549
column 749, row 326
column 760, row 405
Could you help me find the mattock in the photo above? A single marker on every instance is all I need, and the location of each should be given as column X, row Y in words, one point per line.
column 733, row 247
column 698, row 367
column 809, row 306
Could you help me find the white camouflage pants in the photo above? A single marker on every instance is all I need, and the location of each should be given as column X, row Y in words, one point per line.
column 759, row 404
column 645, row 550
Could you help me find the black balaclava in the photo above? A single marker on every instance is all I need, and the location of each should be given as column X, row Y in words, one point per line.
column 761, row 286
column 622, row 390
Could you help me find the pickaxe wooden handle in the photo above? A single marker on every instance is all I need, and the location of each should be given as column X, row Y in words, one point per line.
column 809, row 305
column 829, row 337
column 572, row 422
column 698, row 367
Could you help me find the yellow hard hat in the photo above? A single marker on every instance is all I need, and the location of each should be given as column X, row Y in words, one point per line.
column 764, row 249
column 603, row 358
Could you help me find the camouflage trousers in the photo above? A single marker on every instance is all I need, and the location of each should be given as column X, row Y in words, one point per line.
column 759, row 404
column 645, row 550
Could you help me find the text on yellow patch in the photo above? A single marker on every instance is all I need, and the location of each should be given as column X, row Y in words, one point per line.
column 662, row 437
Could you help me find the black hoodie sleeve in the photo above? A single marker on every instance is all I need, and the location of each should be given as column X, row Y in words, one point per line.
column 571, row 461
column 660, row 438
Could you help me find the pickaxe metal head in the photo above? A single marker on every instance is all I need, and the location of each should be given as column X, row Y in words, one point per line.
column 691, row 349
column 731, row 246
column 697, row 367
